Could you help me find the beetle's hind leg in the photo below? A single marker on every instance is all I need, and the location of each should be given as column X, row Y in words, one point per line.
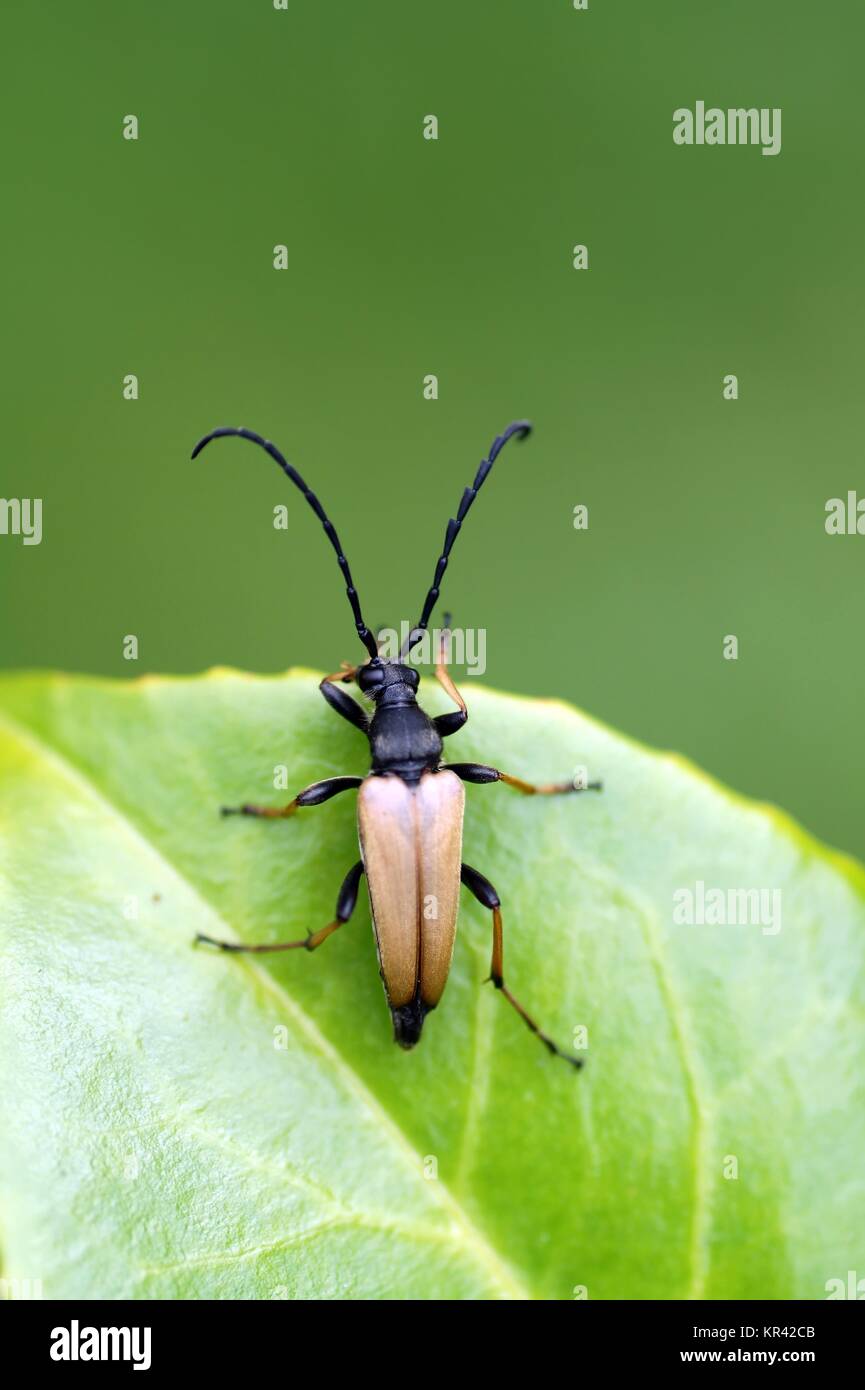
column 480, row 772
column 310, row 796
column 487, row 896
column 345, row 905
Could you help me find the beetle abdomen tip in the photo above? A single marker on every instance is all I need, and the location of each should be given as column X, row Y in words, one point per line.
column 408, row 1022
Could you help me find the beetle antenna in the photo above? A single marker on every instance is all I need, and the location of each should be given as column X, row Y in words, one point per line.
column 363, row 631
column 520, row 428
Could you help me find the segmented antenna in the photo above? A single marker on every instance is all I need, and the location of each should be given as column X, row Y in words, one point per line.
column 363, row 631
column 520, row 428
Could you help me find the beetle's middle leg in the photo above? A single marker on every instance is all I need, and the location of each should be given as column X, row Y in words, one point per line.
column 345, row 905
column 310, row 796
column 480, row 772
column 487, row 896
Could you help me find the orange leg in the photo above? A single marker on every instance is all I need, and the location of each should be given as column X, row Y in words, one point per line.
column 480, row 772
column 345, row 905
column 487, row 896
column 448, row 723
column 310, row 796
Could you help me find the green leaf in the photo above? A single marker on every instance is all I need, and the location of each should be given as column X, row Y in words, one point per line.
column 179, row 1123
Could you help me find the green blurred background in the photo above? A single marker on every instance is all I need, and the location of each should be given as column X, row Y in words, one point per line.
column 409, row 257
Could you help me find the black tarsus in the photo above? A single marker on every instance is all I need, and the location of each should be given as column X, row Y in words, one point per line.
column 520, row 428
column 363, row 631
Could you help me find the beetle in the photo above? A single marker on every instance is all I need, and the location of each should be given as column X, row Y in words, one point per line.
column 411, row 803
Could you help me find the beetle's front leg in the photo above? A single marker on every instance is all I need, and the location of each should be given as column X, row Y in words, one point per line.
column 345, row 905
column 448, row 723
column 480, row 772
column 487, row 896
column 341, row 701
column 310, row 796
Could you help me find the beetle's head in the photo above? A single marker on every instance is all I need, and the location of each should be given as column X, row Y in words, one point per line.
column 388, row 682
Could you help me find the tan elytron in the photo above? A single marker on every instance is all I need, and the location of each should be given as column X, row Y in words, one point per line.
column 411, row 844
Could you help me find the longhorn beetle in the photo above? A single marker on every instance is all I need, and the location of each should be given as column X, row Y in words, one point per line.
column 410, row 806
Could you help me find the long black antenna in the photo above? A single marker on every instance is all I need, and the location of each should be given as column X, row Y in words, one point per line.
column 363, row 631
column 520, row 428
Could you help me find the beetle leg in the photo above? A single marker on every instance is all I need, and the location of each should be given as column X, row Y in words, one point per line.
column 346, row 673
column 310, row 796
column 448, row 723
column 345, row 905
column 487, row 896
column 342, row 702
column 479, row 772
